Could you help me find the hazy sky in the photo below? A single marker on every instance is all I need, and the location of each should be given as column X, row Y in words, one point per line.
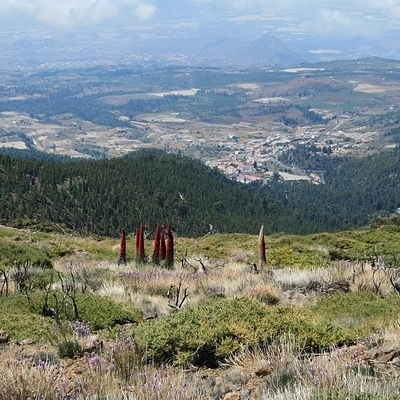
column 324, row 17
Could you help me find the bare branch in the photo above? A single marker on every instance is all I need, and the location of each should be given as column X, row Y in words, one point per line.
column 175, row 296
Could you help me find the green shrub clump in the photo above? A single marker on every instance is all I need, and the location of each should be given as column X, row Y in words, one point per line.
column 69, row 349
column 210, row 332
column 101, row 312
column 18, row 320
column 23, row 319
column 14, row 254
column 362, row 312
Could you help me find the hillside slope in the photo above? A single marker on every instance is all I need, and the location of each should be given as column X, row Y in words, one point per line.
column 150, row 187
column 145, row 187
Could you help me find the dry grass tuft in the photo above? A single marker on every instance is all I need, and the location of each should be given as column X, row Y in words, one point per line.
column 288, row 374
column 94, row 376
column 290, row 278
column 151, row 306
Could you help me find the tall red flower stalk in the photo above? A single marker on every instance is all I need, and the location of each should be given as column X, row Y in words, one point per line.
column 169, row 256
column 122, row 247
column 140, row 254
column 156, row 246
column 137, row 239
column 163, row 247
column 261, row 249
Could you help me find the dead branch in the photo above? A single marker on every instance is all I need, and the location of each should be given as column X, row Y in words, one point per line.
column 175, row 296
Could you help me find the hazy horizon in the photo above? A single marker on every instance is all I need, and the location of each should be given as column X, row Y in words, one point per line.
column 333, row 29
column 324, row 17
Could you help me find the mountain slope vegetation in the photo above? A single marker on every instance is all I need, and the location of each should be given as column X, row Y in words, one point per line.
column 145, row 187
column 151, row 186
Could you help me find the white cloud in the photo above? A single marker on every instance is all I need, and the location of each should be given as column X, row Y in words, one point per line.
column 319, row 16
column 71, row 13
column 322, row 17
column 333, row 21
column 145, row 11
column 16, row 5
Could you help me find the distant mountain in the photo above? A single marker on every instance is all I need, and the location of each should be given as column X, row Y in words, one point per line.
column 266, row 50
column 270, row 50
column 223, row 47
column 204, row 49
column 223, row 50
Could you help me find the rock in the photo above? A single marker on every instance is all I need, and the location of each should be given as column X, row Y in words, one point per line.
column 390, row 347
column 245, row 393
column 235, row 376
column 374, row 353
column 387, row 357
column 92, row 343
column 26, row 342
column 4, row 337
column 384, row 353
column 396, row 362
column 354, row 354
column 232, row 396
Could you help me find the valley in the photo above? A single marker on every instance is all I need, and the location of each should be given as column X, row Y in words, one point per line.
column 239, row 121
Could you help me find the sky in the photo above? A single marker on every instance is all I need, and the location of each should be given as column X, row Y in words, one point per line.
column 322, row 17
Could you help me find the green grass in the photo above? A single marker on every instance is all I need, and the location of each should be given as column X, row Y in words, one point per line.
column 23, row 320
column 20, row 322
column 282, row 250
column 361, row 312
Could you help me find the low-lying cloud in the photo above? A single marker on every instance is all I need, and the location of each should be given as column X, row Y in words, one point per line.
column 322, row 16
column 71, row 13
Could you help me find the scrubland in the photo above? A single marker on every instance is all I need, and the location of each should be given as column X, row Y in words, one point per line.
column 320, row 321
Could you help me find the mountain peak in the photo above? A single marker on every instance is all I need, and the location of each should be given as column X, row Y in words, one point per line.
column 271, row 50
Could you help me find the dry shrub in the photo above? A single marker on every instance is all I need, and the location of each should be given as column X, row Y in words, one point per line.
column 278, row 364
column 288, row 374
column 114, row 290
column 150, row 305
column 236, row 278
column 266, row 359
column 361, row 275
column 291, row 277
column 154, row 281
column 114, row 374
column 265, row 293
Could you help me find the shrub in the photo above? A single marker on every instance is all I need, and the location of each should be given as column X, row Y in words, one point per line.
column 210, row 332
column 19, row 252
column 19, row 321
column 22, row 319
column 99, row 312
column 102, row 312
column 69, row 349
column 363, row 312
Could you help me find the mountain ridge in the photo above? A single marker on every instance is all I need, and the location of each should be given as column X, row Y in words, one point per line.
column 152, row 186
